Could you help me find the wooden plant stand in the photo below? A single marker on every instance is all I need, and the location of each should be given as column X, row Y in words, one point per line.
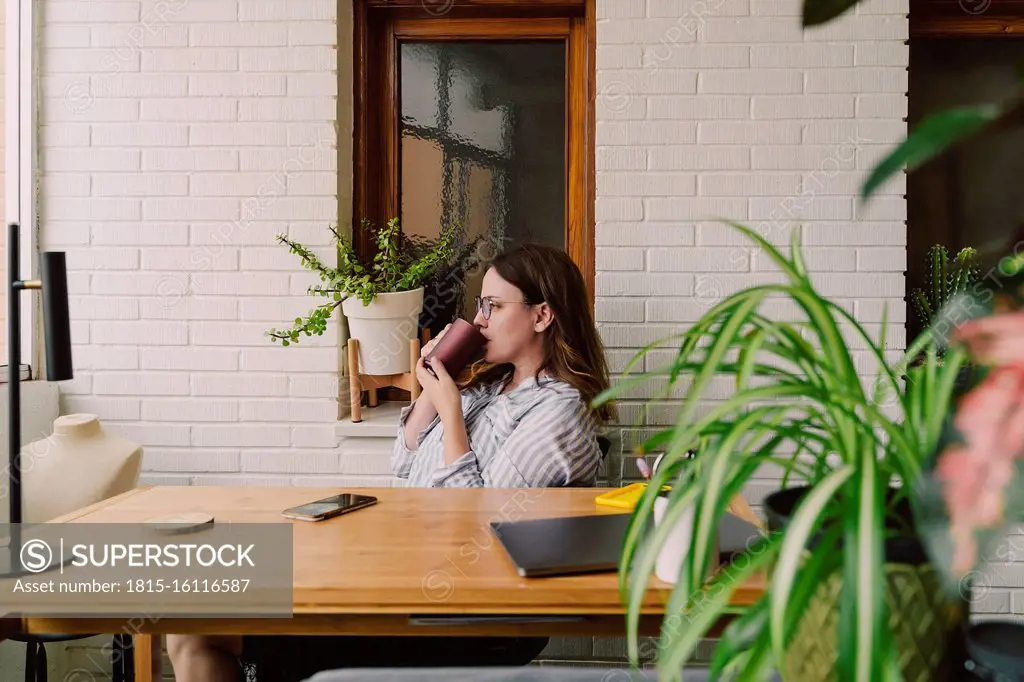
column 358, row 382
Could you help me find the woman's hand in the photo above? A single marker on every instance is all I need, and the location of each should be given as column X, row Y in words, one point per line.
column 441, row 391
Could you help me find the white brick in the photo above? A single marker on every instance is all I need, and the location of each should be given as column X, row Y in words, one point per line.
column 190, row 109
column 241, row 284
column 620, row 259
column 79, row 283
column 752, row 31
column 147, row 333
column 801, row 56
column 68, row 185
column 646, row 184
column 893, row 106
column 240, row 233
column 290, row 59
column 699, row 259
column 286, row 462
column 124, row 85
column 619, row 56
column 855, row 234
column 140, row 383
column 801, row 208
column 824, row 181
column 273, row 310
column 643, row 284
column 872, row 310
column 271, row 10
column 192, row 208
column 192, row 160
column 93, row 12
column 699, row 107
column 158, row 60
column 802, row 107
column 123, row 409
column 63, row 135
column 687, row 12
column 129, row 37
column 139, row 135
column 859, row 28
column 103, row 308
column 97, row 110
column 287, row 109
column 858, row 80
column 675, row 310
column 700, row 56
column 648, row 81
column 62, row 36
column 235, row 384
column 313, row 184
column 889, row 53
column 867, row 285
column 148, row 234
column 619, row 209
column 748, row 132
column 698, row 208
column 699, row 158
column 90, row 60
column 237, row 85
column 619, row 310
column 290, row 411
column 279, row 258
column 153, row 434
column 104, row 358
column 621, row 133
column 758, row 81
column 881, row 208
column 643, row 31
column 315, row 156
column 817, row 260
column 237, row 134
column 882, row 260
column 816, row 132
column 191, row 360
column 238, row 35
column 619, row 9
column 189, row 308
column 314, row 386
column 312, row 33
column 230, row 334
column 198, row 259
column 292, row 359
column 139, row 185
column 776, row 8
column 189, row 410
column 621, row 158
column 81, row 208
column 240, row 435
column 66, row 233
column 312, row 85
column 806, row 157
column 617, row 102
column 189, row 459
column 68, row 160
column 158, row 12
column 748, row 184
column 227, row 184
column 81, row 385
column 634, row 335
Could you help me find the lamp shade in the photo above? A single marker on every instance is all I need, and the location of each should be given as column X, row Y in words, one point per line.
column 56, row 322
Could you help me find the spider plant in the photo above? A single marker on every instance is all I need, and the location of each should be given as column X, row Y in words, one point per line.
column 801, row 405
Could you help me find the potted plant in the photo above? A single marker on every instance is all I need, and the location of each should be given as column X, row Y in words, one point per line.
column 444, row 296
column 944, row 280
column 381, row 299
column 850, row 588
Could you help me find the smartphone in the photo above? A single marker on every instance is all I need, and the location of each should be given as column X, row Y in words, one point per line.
column 329, row 507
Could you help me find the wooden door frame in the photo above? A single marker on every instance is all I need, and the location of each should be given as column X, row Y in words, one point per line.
column 380, row 24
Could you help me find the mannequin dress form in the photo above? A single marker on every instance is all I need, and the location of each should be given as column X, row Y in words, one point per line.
column 78, row 465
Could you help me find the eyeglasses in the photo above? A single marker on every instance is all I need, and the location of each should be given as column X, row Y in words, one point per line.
column 485, row 305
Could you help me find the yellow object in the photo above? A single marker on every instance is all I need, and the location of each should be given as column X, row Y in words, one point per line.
column 625, row 497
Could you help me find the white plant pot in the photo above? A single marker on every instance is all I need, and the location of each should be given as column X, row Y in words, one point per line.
column 670, row 558
column 384, row 329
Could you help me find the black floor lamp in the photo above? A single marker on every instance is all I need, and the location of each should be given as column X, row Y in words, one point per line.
column 53, row 282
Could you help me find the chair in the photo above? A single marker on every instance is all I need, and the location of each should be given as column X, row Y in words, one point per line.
column 36, row 661
column 605, row 443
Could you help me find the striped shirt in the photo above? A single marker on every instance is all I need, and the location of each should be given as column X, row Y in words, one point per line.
column 536, row 435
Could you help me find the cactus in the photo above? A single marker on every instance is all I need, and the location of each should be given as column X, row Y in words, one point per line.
column 944, row 280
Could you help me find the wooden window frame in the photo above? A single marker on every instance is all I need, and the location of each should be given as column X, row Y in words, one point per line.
column 990, row 19
column 381, row 24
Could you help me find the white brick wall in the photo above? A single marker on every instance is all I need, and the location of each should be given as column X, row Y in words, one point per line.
column 178, row 138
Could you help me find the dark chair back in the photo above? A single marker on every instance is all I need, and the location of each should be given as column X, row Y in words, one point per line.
column 605, row 444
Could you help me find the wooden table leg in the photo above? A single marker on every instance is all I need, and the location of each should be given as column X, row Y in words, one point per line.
column 355, row 390
column 148, row 658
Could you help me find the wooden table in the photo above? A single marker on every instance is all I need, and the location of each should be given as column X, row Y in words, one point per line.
column 418, row 552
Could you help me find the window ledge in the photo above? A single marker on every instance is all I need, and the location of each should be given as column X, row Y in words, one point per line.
column 378, row 422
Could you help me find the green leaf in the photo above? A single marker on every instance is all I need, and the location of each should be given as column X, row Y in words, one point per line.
column 818, row 12
column 933, row 136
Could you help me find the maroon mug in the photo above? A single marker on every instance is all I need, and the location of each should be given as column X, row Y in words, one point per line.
column 457, row 348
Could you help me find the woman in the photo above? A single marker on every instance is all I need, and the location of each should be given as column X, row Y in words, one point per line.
column 522, row 419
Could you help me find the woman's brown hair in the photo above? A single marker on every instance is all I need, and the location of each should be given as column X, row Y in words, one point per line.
column 573, row 351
